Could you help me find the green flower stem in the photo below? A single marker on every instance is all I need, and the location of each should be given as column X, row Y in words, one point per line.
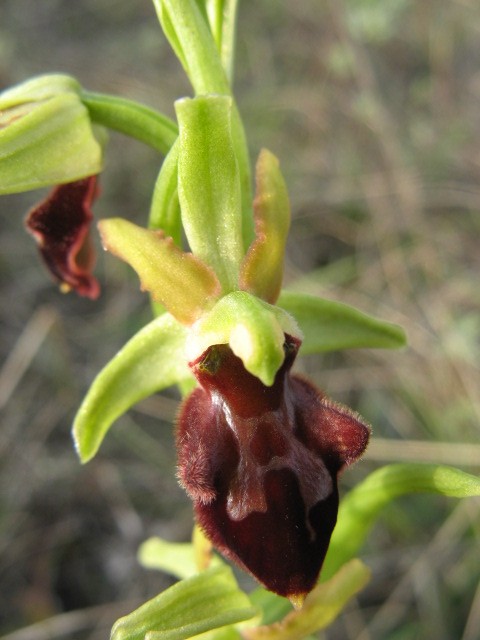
column 222, row 17
column 131, row 118
column 190, row 37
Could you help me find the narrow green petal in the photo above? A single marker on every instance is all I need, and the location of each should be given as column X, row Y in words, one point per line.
column 360, row 508
column 152, row 360
column 179, row 280
column 321, row 606
column 206, row 601
column 328, row 325
column 187, row 29
column 46, row 143
column 209, row 185
column 262, row 270
column 253, row 329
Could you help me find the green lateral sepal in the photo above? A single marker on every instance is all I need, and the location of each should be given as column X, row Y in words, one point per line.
column 152, row 360
column 328, row 325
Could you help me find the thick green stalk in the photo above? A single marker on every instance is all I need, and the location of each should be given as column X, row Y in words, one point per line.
column 189, row 35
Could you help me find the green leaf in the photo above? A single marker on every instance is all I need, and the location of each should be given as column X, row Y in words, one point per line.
column 179, row 280
column 209, row 187
column 132, row 119
column 262, row 269
column 165, row 207
column 360, row 508
column 328, row 325
column 47, row 142
column 152, row 360
column 321, row 606
column 176, row 558
column 203, row 602
column 253, row 329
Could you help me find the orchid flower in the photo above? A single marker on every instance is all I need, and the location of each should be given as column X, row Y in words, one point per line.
column 259, row 449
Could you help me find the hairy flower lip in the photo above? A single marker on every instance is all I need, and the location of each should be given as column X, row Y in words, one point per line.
column 261, row 464
column 60, row 225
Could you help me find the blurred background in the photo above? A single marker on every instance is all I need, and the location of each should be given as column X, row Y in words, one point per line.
column 373, row 108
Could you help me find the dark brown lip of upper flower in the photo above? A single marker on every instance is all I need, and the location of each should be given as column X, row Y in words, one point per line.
column 261, row 466
column 60, row 225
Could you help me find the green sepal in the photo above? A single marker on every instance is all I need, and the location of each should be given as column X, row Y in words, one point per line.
column 253, row 329
column 38, row 89
column 262, row 269
column 46, row 136
column 328, row 325
column 320, row 608
column 361, row 506
column 175, row 558
column 209, row 185
column 151, row 361
column 179, row 280
column 165, row 207
column 203, row 602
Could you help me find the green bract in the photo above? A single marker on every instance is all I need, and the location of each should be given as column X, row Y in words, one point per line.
column 209, row 185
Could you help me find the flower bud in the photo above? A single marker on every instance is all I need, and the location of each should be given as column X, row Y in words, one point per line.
column 46, row 136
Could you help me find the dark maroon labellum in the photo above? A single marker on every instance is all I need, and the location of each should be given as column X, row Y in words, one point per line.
column 261, row 463
column 60, row 224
